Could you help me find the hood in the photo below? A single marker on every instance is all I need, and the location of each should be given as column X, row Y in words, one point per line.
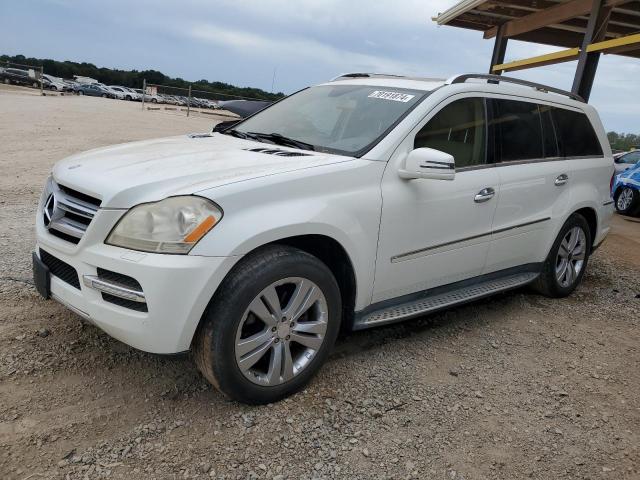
column 128, row 174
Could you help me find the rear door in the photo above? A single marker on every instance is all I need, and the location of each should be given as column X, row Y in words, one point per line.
column 533, row 182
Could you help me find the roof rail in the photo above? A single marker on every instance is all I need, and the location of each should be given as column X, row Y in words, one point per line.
column 365, row 75
column 499, row 78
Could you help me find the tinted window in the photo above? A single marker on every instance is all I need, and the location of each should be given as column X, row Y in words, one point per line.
column 459, row 129
column 518, row 130
column 576, row 137
column 550, row 143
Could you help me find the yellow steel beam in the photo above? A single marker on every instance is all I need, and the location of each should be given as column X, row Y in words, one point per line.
column 539, row 61
column 615, row 44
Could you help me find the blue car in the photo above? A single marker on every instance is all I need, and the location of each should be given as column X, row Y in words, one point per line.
column 626, row 191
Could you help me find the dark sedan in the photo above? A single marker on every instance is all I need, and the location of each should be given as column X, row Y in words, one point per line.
column 19, row 77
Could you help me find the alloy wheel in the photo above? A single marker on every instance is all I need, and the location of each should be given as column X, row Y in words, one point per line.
column 281, row 331
column 571, row 255
column 624, row 199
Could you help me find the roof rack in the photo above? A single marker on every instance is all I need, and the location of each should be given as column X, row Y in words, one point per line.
column 365, row 75
column 499, row 78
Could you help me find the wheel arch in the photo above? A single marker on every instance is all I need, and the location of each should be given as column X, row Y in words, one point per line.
column 591, row 216
column 330, row 252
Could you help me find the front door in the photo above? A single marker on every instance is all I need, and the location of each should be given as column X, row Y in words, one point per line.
column 435, row 232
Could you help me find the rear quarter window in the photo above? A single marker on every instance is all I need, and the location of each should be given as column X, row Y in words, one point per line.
column 576, row 136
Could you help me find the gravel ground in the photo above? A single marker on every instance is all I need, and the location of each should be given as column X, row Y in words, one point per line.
column 518, row 386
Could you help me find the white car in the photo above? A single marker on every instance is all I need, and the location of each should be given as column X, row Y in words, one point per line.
column 360, row 202
column 126, row 94
column 54, row 83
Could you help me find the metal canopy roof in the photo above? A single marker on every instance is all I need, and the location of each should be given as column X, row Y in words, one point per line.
column 561, row 23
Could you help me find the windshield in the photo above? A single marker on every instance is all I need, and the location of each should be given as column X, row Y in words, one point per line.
column 342, row 119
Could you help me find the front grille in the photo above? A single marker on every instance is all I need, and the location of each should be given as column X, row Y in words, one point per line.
column 67, row 213
column 125, row 281
column 60, row 269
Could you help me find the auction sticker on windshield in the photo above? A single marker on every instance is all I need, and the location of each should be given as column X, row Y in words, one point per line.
column 395, row 96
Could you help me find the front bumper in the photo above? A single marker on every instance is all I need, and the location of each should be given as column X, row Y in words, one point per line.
column 177, row 288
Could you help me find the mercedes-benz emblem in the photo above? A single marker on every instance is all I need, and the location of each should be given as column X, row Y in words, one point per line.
column 49, row 210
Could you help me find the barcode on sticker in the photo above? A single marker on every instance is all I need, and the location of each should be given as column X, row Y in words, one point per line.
column 395, row 96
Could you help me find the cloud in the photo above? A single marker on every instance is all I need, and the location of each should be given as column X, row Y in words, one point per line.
column 253, row 44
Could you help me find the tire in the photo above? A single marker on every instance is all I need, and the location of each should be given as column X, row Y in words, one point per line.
column 54, row 88
column 229, row 320
column 80, row 92
column 153, row 100
column 104, row 95
column 627, row 201
column 7, row 81
column 552, row 282
column 128, row 98
column 35, row 85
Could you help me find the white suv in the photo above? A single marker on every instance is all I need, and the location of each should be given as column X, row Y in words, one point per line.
column 360, row 202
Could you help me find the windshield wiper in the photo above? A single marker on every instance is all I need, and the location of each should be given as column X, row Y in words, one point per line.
column 235, row 133
column 279, row 139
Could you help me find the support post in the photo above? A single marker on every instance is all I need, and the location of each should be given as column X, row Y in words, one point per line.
column 499, row 50
column 588, row 61
column 144, row 91
column 41, row 80
column 189, row 101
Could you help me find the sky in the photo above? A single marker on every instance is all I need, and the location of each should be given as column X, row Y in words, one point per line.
column 287, row 44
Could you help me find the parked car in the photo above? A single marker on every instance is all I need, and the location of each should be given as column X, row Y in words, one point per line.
column 360, row 202
column 147, row 97
column 626, row 191
column 92, row 89
column 125, row 93
column 19, row 77
column 54, row 83
column 627, row 160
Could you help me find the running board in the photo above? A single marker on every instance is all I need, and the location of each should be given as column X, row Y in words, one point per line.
column 439, row 300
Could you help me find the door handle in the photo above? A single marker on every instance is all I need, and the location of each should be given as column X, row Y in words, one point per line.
column 561, row 179
column 484, row 195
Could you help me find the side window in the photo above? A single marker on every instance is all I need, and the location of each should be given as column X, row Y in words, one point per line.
column 576, row 137
column 518, row 130
column 632, row 157
column 550, row 142
column 459, row 129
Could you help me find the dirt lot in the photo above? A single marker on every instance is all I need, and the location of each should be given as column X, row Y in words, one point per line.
column 518, row 386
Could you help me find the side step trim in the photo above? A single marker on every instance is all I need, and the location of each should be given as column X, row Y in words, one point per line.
column 441, row 298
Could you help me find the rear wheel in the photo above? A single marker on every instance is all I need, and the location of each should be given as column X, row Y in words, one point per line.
column 7, row 81
column 270, row 326
column 564, row 268
column 35, row 85
column 80, row 92
column 627, row 201
column 104, row 95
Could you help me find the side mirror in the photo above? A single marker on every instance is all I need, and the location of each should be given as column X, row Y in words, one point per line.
column 428, row 163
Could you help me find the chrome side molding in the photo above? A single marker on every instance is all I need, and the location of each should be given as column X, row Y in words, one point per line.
column 115, row 289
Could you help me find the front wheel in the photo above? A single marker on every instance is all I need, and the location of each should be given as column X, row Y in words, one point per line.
column 564, row 268
column 627, row 201
column 270, row 326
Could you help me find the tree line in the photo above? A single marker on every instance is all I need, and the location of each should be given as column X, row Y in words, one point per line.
column 623, row 141
column 133, row 78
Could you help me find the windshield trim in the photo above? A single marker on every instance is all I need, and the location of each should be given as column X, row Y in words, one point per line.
column 334, row 151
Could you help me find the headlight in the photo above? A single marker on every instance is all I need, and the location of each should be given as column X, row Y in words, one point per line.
column 172, row 225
